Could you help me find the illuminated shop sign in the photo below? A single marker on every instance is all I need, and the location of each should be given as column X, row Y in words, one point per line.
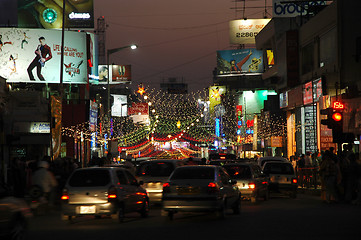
column 289, row 9
column 48, row 14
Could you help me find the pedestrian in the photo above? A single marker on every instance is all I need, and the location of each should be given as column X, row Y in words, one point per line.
column 46, row 181
column 330, row 172
column 357, row 201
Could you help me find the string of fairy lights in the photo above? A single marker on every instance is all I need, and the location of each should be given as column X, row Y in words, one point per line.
column 173, row 118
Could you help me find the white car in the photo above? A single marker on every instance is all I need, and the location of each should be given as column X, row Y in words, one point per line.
column 153, row 174
column 262, row 160
column 282, row 177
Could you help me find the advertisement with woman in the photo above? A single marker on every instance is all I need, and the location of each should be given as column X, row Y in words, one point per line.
column 37, row 60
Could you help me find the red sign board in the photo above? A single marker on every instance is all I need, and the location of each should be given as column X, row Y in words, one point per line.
column 338, row 106
column 138, row 109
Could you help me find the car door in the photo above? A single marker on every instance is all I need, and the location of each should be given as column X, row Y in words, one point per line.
column 126, row 190
column 138, row 194
column 260, row 179
column 230, row 190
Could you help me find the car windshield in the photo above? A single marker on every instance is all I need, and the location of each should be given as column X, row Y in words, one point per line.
column 155, row 169
column 239, row 172
column 278, row 168
column 90, row 178
column 193, row 173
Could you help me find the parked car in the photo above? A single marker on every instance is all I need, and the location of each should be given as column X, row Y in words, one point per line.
column 282, row 177
column 262, row 160
column 251, row 181
column 154, row 173
column 14, row 215
column 201, row 188
column 103, row 191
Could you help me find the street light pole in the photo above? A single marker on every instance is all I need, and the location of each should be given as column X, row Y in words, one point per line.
column 111, row 51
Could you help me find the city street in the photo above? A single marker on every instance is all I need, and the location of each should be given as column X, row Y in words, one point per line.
column 279, row 218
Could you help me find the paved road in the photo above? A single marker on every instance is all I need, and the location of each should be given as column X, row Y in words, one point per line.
column 279, row 218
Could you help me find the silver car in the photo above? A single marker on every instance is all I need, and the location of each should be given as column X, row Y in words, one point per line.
column 200, row 189
column 251, row 181
column 103, row 191
column 282, row 178
column 154, row 173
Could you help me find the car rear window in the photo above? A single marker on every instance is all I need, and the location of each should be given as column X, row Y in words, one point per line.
column 90, row 178
column 193, row 173
column 239, row 172
column 155, row 169
column 278, row 168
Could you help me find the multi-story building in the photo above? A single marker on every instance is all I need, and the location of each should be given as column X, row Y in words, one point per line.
column 316, row 61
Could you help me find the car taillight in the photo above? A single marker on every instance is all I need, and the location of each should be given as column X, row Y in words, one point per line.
column 112, row 193
column 212, row 187
column 166, row 187
column 251, row 185
column 294, row 180
column 65, row 195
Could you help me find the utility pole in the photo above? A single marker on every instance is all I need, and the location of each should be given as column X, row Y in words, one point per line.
column 101, row 39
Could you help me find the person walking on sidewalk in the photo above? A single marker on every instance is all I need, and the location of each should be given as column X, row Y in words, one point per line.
column 330, row 172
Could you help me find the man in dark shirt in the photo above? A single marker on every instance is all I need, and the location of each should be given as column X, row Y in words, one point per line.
column 43, row 54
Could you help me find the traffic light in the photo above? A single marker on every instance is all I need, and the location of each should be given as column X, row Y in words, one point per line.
column 337, row 122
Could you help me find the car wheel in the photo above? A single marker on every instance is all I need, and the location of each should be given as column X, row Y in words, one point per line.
column 293, row 194
column 18, row 228
column 144, row 212
column 237, row 207
column 266, row 196
column 119, row 216
column 170, row 215
column 221, row 213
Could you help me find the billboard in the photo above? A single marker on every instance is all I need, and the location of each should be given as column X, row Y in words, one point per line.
column 118, row 74
column 215, row 96
column 245, row 31
column 48, row 14
column 119, row 107
column 293, row 9
column 239, row 61
column 33, row 56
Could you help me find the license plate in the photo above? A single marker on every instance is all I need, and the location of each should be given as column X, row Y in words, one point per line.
column 87, row 209
column 188, row 190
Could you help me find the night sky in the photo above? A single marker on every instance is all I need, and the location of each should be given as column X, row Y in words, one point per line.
column 177, row 39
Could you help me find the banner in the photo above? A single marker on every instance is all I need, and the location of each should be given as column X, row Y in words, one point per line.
column 49, row 14
column 93, row 116
column 245, row 31
column 240, row 61
column 117, row 74
column 33, row 56
column 139, row 109
column 56, row 114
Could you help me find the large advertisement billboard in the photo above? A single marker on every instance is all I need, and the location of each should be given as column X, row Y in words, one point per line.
column 33, row 56
column 49, row 14
column 120, row 107
column 283, row 8
column 117, row 74
column 239, row 61
column 245, row 31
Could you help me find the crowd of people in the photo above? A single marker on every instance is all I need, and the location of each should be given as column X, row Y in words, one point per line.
column 339, row 174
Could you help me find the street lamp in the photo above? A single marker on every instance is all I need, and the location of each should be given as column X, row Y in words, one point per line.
column 111, row 51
